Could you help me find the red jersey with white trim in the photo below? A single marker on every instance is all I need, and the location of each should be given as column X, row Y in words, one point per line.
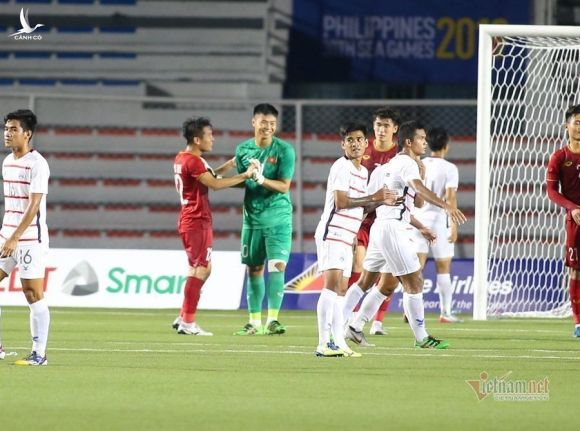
column 563, row 178
column 342, row 225
column 372, row 159
column 195, row 211
column 23, row 176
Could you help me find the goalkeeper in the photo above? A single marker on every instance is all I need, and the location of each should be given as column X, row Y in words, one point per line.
column 267, row 218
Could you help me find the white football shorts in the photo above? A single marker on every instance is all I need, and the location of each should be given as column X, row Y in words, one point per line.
column 392, row 248
column 441, row 248
column 334, row 255
column 30, row 260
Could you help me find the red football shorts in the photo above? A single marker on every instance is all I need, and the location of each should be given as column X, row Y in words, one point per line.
column 362, row 237
column 197, row 244
column 572, row 243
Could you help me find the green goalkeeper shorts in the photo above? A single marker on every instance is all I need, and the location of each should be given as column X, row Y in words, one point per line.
column 267, row 243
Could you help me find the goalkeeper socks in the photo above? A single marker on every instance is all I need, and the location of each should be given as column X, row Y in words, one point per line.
column 383, row 308
column 255, row 293
column 39, row 324
column 354, row 276
column 351, row 299
column 275, row 291
column 368, row 308
column 324, row 313
column 191, row 294
column 415, row 312
column 575, row 299
column 445, row 293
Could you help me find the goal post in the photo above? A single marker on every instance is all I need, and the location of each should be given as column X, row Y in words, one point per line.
column 527, row 76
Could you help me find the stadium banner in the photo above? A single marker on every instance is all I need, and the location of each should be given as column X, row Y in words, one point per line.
column 129, row 279
column 406, row 42
column 305, row 283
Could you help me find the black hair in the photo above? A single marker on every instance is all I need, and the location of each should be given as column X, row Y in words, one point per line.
column 407, row 130
column 386, row 112
column 572, row 111
column 353, row 126
column 265, row 109
column 193, row 128
column 437, row 138
column 26, row 118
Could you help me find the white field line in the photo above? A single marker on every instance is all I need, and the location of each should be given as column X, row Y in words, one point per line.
column 416, row 354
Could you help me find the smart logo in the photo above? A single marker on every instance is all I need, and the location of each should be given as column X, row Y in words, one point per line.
column 82, row 280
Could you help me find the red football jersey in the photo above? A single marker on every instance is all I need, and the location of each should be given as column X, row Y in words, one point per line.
column 564, row 171
column 195, row 210
column 373, row 158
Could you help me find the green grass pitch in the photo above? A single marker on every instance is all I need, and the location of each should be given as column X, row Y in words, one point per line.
column 127, row 370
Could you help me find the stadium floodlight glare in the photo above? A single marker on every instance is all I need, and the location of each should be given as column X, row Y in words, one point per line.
column 528, row 76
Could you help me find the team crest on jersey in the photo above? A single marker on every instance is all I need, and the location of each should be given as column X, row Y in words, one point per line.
column 568, row 163
column 366, row 157
column 272, row 160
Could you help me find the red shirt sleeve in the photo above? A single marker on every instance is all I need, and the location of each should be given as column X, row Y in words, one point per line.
column 553, row 182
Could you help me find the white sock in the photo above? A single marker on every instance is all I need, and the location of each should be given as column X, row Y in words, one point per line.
column 445, row 293
column 368, row 308
column 337, row 326
column 256, row 323
column 324, row 312
column 39, row 324
column 352, row 297
column 415, row 312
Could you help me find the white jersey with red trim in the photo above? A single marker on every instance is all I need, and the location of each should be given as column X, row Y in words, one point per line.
column 23, row 176
column 342, row 225
column 440, row 175
column 396, row 175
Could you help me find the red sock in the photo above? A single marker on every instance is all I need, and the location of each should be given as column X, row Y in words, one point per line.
column 354, row 276
column 383, row 310
column 191, row 293
column 575, row 299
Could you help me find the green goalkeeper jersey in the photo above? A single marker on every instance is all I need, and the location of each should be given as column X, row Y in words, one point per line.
column 263, row 207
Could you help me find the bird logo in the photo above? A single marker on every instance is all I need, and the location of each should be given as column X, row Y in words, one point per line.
column 24, row 23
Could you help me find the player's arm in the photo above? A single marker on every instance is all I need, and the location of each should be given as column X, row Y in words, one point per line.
column 451, row 199
column 425, row 231
column 553, row 186
column 208, row 180
column 31, row 211
column 382, row 196
column 456, row 215
column 226, row 167
column 280, row 186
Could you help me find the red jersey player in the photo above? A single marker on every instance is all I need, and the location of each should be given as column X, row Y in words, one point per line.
column 193, row 176
column 383, row 148
column 563, row 185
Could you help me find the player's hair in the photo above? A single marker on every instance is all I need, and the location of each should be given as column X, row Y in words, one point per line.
column 193, row 128
column 265, row 109
column 26, row 118
column 572, row 111
column 353, row 126
column 437, row 138
column 407, row 130
column 387, row 112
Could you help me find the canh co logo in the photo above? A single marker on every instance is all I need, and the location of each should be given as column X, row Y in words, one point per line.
column 25, row 32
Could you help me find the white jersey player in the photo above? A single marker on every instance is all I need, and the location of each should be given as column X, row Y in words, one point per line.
column 24, row 234
column 346, row 195
column 442, row 178
column 391, row 245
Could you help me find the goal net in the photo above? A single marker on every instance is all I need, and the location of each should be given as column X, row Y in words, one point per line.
column 528, row 76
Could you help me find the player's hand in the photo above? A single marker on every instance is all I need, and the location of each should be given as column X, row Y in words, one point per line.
column 428, row 235
column 8, row 247
column 575, row 213
column 386, row 196
column 456, row 215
